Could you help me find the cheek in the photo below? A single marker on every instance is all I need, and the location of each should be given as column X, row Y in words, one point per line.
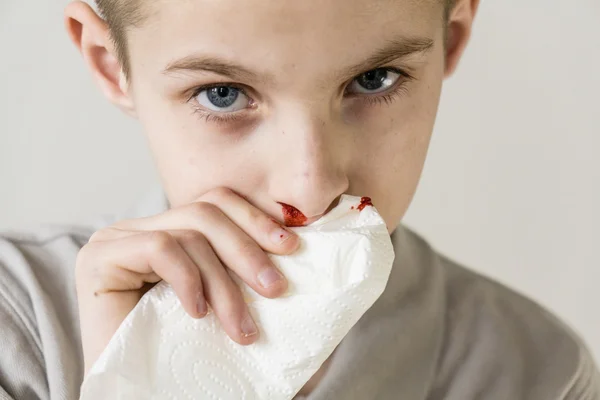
column 190, row 159
column 392, row 145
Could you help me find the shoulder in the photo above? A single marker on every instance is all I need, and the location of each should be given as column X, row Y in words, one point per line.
column 38, row 311
column 40, row 343
column 501, row 343
column 39, row 260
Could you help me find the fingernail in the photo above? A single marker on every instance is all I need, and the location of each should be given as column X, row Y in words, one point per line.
column 249, row 327
column 280, row 235
column 269, row 277
column 201, row 307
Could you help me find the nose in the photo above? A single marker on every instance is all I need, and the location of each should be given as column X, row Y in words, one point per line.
column 310, row 175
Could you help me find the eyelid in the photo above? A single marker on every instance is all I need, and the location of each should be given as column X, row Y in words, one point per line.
column 227, row 117
column 404, row 78
column 216, row 116
column 198, row 89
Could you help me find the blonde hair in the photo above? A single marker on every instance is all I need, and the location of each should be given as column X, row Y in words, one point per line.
column 120, row 15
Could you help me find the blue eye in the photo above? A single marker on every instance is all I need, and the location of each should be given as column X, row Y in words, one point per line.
column 223, row 99
column 375, row 81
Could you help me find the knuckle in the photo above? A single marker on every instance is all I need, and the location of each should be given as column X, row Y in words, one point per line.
column 190, row 237
column 237, row 309
column 256, row 218
column 233, row 303
column 187, row 277
column 84, row 255
column 251, row 253
column 220, row 194
column 87, row 267
column 160, row 241
column 203, row 210
column 100, row 235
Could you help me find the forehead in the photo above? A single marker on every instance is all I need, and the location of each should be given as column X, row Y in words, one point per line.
column 280, row 33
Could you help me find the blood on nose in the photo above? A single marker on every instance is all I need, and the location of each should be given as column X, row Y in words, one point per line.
column 292, row 216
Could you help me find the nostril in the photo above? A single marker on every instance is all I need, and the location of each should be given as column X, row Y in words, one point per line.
column 292, row 216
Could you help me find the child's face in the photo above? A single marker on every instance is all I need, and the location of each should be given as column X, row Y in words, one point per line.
column 299, row 113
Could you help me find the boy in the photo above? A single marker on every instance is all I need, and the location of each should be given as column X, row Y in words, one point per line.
column 260, row 114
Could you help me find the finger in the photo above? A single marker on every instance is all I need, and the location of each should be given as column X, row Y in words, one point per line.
column 128, row 263
column 108, row 275
column 232, row 245
column 219, row 289
column 222, row 293
column 265, row 230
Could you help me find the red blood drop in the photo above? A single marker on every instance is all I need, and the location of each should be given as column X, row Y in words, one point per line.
column 352, row 208
column 364, row 202
column 292, row 216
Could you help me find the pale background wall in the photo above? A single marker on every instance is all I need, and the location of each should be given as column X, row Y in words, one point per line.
column 511, row 188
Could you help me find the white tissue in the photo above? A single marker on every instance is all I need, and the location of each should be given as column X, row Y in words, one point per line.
column 159, row 352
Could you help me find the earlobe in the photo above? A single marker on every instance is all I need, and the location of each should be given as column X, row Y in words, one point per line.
column 460, row 25
column 90, row 34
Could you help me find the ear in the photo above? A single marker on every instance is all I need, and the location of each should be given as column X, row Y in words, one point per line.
column 460, row 25
column 90, row 33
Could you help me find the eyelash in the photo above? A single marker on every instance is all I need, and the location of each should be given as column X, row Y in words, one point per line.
column 387, row 98
column 394, row 93
column 219, row 118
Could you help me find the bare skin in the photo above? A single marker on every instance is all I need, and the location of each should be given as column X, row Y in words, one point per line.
column 247, row 106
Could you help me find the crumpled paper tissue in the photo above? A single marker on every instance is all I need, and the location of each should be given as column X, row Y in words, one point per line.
column 159, row 352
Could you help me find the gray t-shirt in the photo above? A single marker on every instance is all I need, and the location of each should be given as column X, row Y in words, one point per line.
column 438, row 332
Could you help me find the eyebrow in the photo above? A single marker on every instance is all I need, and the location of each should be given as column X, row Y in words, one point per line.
column 211, row 64
column 393, row 50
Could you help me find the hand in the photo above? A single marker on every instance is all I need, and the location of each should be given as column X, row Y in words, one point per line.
column 191, row 248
